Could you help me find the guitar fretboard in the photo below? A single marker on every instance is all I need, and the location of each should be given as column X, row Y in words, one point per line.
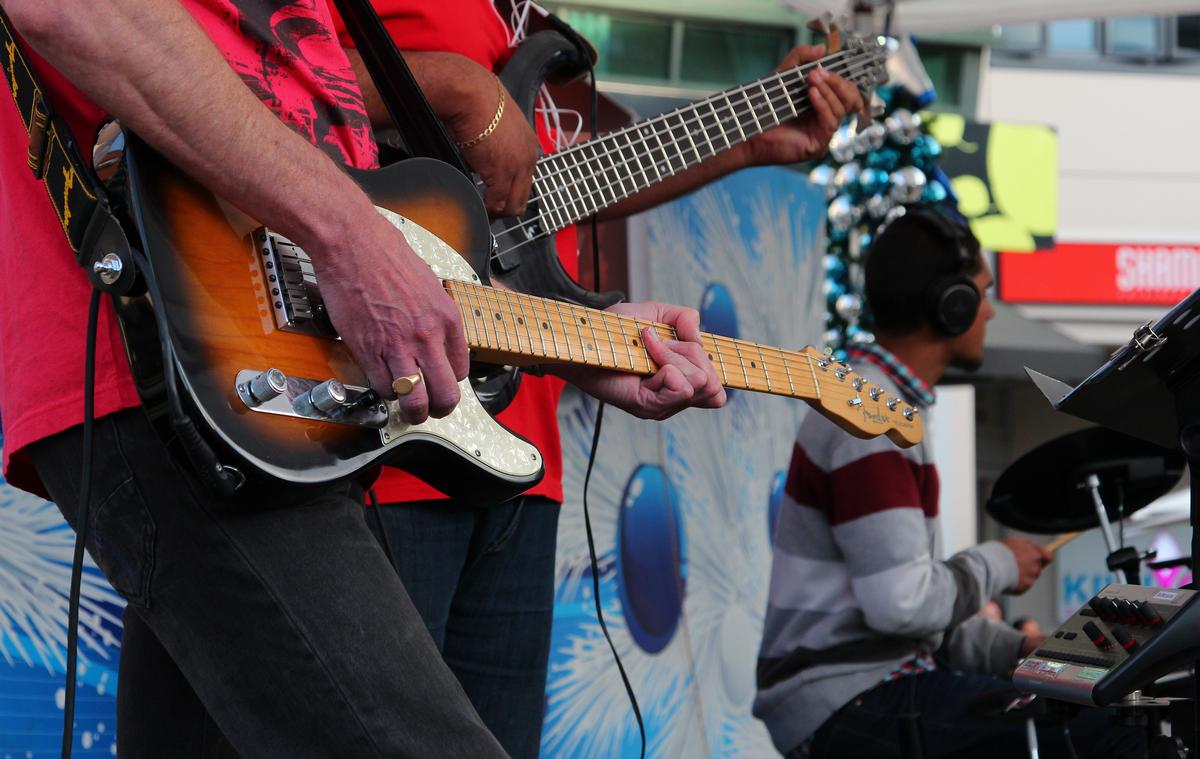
column 575, row 183
column 519, row 325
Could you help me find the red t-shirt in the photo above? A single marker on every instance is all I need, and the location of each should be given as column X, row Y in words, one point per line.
column 472, row 28
column 290, row 58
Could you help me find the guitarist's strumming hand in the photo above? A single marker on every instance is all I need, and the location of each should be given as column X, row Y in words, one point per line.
column 394, row 315
column 685, row 377
column 807, row 137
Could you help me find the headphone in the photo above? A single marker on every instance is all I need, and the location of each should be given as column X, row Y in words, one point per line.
column 952, row 301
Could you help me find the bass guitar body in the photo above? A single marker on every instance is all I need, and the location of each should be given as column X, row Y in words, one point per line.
column 249, row 335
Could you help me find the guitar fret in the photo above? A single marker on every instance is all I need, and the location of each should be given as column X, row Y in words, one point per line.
column 734, row 118
column 724, row 135
column 477, row 304
column 548, row 200
column 767, row 96
column 595, row 344
column 650, row 152
column 592, row 182
column 616, row 171
column 666, row 156
column 787, row 369
column 742, row 362
column 515, row 318
column 791, row 101
column 629, row 342
column 576, row 180
column 599, row 173
column 607, row 323
column 813, row 370
column 763, row 361
column 688, row 133
column 757, row 125
column 638, row 162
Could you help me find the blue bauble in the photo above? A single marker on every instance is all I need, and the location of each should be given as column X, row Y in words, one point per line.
column 835, row 267
column 885, row 159
column 838, row 235
column 929, row 146
column 831, row 289
column 841, row 355
column 718, row 312
column 872, row 181
column 774, row 502
column 651, row 558
column 935, row 192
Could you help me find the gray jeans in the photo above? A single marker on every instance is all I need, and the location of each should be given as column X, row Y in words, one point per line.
column 279, row 609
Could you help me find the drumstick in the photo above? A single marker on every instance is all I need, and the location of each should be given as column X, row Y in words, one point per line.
column 1061, row 541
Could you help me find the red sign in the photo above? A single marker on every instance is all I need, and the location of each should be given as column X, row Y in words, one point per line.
column 1129, row 274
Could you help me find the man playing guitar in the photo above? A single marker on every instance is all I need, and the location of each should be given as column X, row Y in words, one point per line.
column 277, row 606
column 481, row 573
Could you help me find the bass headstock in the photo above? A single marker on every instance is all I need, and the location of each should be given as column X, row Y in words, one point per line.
column 861, row 407
column 864, row 56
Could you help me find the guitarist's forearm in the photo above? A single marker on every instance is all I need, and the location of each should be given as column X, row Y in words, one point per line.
column 150, row 65
column 681, row 184
column 448, row 81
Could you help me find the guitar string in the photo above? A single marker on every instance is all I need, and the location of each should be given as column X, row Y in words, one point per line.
column 780, row 97
column 599, row 191
column 637, row 138
column 563, row 315
column 553, row 219
column 686, row 118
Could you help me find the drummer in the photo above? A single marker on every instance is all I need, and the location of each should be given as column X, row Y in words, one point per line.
column 864, row 624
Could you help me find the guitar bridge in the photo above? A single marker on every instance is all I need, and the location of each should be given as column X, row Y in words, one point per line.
column 292, row 286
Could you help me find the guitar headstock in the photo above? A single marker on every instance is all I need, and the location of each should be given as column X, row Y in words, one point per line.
column 859, row 406
column 866, row 56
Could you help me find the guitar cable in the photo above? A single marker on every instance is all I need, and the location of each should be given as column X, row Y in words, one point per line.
column 89, row 393
column 587, row 478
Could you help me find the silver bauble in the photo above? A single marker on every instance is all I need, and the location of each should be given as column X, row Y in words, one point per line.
column 871, row 138
column 841, row 213
column 841, row 145
column 822, row 177
column 847, row 176
column 878, row 205
column 903, row 126
column 894, row 214
column 831, row 337
column 862, row 337
column 856, row 276
column 849, row 307
column 908, row 183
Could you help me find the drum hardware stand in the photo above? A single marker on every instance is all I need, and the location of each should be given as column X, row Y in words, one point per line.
column 1125, row 561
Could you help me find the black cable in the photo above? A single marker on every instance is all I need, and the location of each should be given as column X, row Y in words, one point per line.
column 81, row 525
column 383, row 536
column 587, row 479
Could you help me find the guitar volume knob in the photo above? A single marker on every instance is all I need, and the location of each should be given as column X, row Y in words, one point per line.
column 263, row 387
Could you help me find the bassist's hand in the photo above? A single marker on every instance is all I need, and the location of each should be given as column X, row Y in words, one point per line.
column 505, row 159
column 394, row 316
column 807, row 138
column 685, row 377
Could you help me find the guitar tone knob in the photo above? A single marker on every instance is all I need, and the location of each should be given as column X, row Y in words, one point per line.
column 263, row 387
column 328, row 396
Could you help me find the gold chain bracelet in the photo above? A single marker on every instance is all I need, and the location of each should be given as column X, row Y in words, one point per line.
column 490, row 127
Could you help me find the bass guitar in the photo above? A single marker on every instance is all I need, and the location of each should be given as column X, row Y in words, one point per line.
column 575, row 183
column 257, row 362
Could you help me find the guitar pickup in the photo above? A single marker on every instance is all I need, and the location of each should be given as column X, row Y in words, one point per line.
column 291, row 286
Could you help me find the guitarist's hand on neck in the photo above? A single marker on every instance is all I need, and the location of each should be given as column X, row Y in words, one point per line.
column 685, row 377
column 466, row 97
column 807, row 137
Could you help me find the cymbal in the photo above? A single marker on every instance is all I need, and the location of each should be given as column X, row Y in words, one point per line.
column 1042, row 491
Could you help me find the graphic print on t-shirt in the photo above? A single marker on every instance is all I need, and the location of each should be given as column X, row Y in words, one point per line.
column 293, row 40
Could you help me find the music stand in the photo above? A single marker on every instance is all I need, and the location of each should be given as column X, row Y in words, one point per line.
column 1149, row 389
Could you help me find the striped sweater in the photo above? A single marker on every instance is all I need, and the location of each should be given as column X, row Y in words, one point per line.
column 856, row 588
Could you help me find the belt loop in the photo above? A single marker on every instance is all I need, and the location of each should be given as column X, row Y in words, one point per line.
column 39, row 118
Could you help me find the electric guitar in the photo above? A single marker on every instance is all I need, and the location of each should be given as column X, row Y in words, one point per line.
column 258, row 363
column 575, row 183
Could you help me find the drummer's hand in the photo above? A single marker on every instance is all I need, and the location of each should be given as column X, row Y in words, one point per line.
column 1031, row 558
column 1031, row 644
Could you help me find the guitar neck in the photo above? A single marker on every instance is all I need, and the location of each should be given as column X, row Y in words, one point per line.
column 575, row 183
column 518, row 329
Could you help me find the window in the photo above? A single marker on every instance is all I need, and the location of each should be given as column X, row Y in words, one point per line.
column 1139, row 36
column 1021, row 37
column 727, row 54
column 1187, row 36
column 1077, row 36
column 629, row 46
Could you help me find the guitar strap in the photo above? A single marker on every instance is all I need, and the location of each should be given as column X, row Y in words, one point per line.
column 87, row 219
column 421, row 130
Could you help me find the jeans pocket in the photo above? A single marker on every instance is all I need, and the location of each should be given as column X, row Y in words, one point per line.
column 123, row 540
